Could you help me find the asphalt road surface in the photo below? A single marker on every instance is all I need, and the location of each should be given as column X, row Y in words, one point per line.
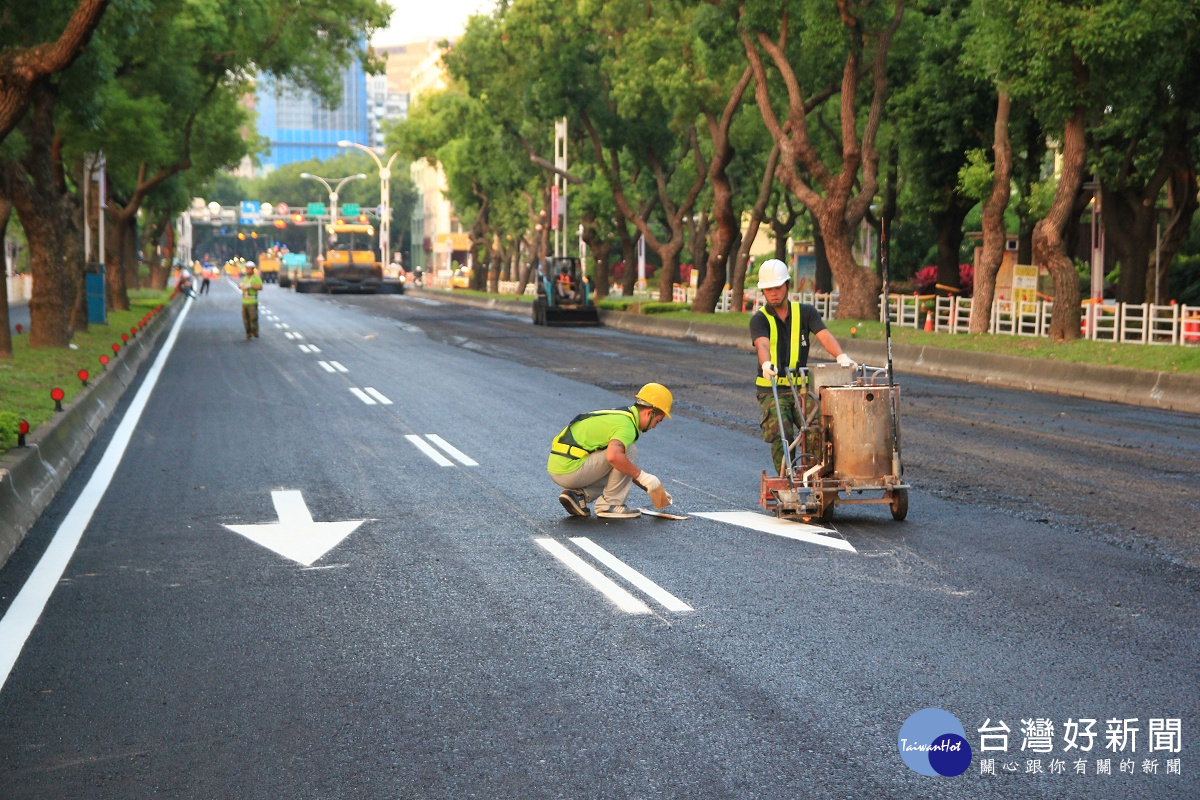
column 458, row 636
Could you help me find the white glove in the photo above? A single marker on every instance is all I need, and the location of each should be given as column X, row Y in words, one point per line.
column 648, row 482
column 768, row 370
column 844, row 360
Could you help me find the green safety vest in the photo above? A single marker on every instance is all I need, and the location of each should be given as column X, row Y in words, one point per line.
column 793, row 347
column 254, row 285
column 565, row 445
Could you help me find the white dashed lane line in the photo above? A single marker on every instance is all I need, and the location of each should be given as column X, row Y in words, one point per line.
column 363, row 396
column 605, row 585
column 454, row 452
column 424, row 447
column 288, row 335
column 377, row 395
column 312, row 348
column 305, row 349
column 337, row 365
column 325, row 366
column 660, row 595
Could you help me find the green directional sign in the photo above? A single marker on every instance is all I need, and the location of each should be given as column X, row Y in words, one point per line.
column 316, row 209
column 350, row 209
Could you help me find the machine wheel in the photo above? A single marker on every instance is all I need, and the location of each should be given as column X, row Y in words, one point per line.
column 539, row 313
column 899, row 504
column 828, row 504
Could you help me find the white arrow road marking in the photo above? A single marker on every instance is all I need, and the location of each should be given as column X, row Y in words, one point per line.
column 377, row 395
column 664, row 598
column 454, row 452
column 799, row 531
column 304, row 349
column 339, row 368
column 361, row 396
column 437, row 457
column 624, row 600
column 325, row 366
column 296, row 536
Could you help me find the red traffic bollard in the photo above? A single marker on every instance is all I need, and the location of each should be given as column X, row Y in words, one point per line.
column 57, row 396
column 124, row 337
column 83, row 376
column 133, row 330
column 104, row 362
column 19, row 328
column 22, row 429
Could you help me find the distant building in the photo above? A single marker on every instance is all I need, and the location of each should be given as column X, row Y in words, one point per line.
column 299, row 127
column 383, row 106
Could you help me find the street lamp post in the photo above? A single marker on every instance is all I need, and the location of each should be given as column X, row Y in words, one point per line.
column 333, row 201
column 385, row 198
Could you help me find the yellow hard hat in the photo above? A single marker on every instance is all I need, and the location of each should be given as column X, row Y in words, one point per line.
column 657, row 395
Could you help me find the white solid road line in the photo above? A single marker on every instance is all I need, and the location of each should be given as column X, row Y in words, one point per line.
column 624, row 600
column 325, row 366
column 304, row 349
column 799, row 531
column 364, row 397
column 336, row 365
column 424, row 447
column 664, row 598
column 378, row 395
column 29, row 603
column 454, row 452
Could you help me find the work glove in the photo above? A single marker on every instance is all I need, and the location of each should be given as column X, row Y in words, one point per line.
column 844, row 360
column 768, row 370
column 654, row 488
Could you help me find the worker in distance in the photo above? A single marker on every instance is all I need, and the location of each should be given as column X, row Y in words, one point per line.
column 780, row 332
column 594, row 458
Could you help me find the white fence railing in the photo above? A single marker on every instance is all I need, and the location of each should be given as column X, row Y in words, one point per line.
column 20, row 288
column 1144, row 323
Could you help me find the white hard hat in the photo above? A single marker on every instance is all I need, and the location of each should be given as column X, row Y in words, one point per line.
column 772, row 273
column 249, row 263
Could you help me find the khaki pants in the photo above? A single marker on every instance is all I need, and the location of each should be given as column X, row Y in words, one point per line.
column 598, row 479
column 250, row 319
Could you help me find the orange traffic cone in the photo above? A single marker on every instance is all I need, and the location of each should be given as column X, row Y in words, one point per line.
column 929, row 321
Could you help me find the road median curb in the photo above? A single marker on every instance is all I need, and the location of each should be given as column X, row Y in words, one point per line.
column 1163, row 390
column 30, row 477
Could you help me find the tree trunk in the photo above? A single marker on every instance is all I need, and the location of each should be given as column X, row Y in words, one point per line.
column 949, row 235
column 742, row 261
column 1182, row 189
column 824, row 276
column 116, row 248
column 858, row 287
column 698, row 247
column 5, row 214
column 994, row 234
column 629, row 254
column 1049, row 234
column 1129, row 229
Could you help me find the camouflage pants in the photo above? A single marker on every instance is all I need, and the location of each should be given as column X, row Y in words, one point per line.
column 792, row 420
column 250, row 319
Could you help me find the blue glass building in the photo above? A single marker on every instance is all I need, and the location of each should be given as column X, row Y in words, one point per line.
column 299, row 127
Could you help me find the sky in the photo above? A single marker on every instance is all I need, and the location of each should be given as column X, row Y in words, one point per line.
column 428, row 19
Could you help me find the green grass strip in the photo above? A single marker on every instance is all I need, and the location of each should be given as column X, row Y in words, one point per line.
column 26, row 379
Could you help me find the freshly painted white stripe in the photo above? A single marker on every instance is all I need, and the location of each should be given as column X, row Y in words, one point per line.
column 336, row 365
column 366, row 399
column 325, row 366
column 780, row 527
column 288, row 335
column 457, row 454
column 421, row 445
column 304, row 349
column 312, row 348
column 664, row 598
column 624, row 600
column 378, row 395
column 29, row 603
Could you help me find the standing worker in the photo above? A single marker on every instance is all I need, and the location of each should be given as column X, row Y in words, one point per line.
column 205, row 277
column 595, row 458
column 780, row 333
column 250, row 285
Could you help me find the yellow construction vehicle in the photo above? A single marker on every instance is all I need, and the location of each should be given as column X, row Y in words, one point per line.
column 350, row 262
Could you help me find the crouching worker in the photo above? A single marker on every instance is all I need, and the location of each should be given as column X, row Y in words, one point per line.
column 594, row 458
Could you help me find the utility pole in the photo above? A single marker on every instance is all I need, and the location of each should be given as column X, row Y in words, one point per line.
column 560, row 185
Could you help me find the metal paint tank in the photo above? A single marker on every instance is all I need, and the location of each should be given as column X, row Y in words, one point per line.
column 858, row 421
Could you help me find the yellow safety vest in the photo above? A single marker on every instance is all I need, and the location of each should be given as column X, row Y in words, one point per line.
column 793, row 347
column 565, row 445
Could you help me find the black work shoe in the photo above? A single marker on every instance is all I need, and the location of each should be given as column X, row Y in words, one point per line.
column 575, row 502
column 617, row 512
